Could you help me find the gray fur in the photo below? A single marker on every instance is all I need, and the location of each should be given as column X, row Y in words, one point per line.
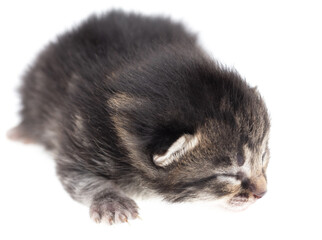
column 112, row 95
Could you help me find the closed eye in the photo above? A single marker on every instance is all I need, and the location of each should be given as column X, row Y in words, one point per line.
column 201, row 182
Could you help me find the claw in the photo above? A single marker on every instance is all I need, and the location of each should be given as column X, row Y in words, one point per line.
column 96, row 217
column 110, row 221
column 123, row 218
column 134, row 215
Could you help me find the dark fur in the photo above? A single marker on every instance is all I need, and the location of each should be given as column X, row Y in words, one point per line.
column 111, row 93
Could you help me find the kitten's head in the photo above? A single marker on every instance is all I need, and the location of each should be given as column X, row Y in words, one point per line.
column 225, row 158
column 201, row 137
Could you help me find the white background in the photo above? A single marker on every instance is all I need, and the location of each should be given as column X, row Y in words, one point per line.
column 275, row 45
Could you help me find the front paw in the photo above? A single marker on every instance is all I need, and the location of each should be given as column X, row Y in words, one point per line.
column 112, row 208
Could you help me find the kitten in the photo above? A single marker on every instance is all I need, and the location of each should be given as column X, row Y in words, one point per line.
column 131, row 104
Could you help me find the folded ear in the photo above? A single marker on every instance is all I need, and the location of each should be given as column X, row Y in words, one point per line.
column 135, row 123
column 182, row 145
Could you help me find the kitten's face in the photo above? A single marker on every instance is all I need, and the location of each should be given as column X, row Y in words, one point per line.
column 219, row 161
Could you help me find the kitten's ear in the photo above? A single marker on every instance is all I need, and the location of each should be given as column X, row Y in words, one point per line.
column 181, row 146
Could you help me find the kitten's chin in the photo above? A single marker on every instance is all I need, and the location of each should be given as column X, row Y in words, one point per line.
column 238, row 203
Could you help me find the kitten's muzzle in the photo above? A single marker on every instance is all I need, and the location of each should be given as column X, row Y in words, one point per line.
column 258, row 186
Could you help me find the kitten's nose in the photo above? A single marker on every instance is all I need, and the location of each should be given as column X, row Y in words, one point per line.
column 258, row 186
column 259, row 195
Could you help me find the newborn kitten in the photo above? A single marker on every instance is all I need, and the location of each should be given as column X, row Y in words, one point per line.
column 131, row 104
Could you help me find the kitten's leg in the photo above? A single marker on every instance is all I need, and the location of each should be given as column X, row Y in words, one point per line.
column 20, row 134
column 106, row 201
